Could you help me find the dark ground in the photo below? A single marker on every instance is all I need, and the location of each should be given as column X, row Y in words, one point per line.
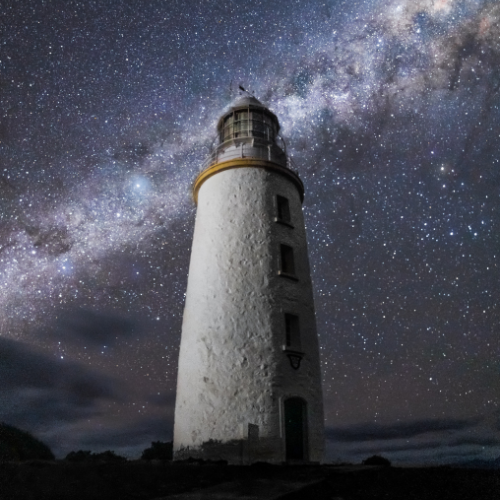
column 149, row 480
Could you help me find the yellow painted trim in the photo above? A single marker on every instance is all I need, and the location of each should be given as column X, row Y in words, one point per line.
column 245, row 163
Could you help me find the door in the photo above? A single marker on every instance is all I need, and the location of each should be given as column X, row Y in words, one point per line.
column 295, row 429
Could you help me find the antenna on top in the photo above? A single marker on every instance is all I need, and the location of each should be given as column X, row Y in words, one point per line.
column 247, row 91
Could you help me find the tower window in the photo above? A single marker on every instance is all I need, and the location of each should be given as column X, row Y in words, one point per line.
column 287, row 260
column 292, row 331
column 283, row 208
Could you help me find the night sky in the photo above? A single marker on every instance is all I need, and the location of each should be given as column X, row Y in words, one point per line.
column 391, row 111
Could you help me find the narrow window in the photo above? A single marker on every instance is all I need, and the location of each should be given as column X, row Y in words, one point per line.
column 292, row 331
column 283, row 208
column 287, row 261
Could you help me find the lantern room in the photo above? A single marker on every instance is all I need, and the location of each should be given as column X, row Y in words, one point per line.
column 248, row 118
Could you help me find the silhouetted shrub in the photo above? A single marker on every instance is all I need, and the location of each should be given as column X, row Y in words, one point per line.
column 108, row 456
column 79, row 456
column 377, row 460
column 158, row 451
column 16, row 444
column 87, row 456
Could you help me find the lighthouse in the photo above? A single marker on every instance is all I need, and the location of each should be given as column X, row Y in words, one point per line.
column 249, row 379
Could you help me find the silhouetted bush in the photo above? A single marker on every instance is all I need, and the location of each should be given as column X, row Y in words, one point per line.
column 377, row 460
column 79, row 456
column 87, row 456
column 16, row 444
column 109, row 456
column 158, row 451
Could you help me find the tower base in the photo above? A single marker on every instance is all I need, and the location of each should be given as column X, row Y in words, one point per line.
column 237, row 451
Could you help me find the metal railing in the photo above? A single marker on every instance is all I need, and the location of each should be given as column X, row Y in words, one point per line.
column 248, row 147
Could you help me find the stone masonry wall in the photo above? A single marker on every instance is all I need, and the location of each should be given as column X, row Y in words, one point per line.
column 232, row 368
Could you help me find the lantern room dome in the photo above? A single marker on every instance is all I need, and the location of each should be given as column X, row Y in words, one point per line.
column 248, row 117
column 247, row 100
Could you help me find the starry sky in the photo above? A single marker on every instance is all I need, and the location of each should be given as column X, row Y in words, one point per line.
column 390, row 109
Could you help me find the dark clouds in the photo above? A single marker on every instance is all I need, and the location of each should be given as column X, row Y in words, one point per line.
column 132, row 434
column 37, row 387
column 454, row 438
column 60, row 398
column 92, row 328
column 372, row 431
column 22, row 366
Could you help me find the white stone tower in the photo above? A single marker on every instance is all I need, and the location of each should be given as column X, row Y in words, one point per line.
column 249, row 381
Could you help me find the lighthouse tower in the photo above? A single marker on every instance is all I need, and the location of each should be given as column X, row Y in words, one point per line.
column 249, row 381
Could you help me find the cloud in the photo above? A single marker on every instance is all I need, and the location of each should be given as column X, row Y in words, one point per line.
column 130, row 434
column 37, row 389
column 496, row 419
column 127, row 436
column 371, row 431
column 162, row 400
column 490, row 440
column 67, row 405
column 92, row 328
column 426, row 441
column 461, row 441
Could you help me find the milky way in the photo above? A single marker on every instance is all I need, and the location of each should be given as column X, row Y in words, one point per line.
column 390, row 112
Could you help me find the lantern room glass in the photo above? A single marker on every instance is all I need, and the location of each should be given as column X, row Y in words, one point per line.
column 248, row 123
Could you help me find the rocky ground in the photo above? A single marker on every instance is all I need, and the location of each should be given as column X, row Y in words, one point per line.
column 141, row 480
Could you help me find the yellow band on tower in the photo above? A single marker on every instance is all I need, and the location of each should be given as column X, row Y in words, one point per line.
column 242, row 163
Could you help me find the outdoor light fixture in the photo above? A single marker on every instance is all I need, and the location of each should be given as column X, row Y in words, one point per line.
column 295, row 358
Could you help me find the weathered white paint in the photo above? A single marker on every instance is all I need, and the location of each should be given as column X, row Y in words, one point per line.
column 232, row 368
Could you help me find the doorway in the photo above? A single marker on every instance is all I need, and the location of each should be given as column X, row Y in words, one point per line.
column 295, row 429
